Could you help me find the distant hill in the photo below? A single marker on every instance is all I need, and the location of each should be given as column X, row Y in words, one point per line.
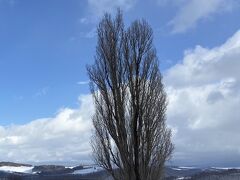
column 18, row 171
column 13, row 164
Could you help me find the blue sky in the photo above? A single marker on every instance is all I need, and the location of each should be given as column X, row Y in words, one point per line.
column 45, row 48
column 46, row 45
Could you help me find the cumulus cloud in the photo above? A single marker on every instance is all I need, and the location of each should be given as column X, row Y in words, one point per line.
column 190, row 12
column 204, row 103
column 99, row 7
column 63, row 138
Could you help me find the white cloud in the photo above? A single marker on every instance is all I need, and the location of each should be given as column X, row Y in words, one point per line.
column 204, row 103
column 96, row 9
column 191, row 12
column 207, row 65
column 99, row 7
column 83, row 82
column 64, row 137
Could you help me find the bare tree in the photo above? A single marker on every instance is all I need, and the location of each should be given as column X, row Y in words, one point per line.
column 131, row 140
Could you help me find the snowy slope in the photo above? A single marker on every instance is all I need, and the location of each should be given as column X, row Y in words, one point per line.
column 88, row 170
column 20, row 169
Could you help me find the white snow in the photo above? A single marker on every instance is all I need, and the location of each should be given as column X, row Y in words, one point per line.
column 21, row 169
column 187, row 167
column 177, row 169
column 87, row 170
column 225, row 168
column 180, row 178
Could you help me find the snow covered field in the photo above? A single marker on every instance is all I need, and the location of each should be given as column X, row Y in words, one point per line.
column 93, row 171
column 28, row 169
column 88, row 170
column 20, row 169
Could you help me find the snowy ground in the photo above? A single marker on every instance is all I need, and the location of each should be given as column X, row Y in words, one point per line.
column 26, row 169
column 88, row 170
column 225, row 168
column 20, row 169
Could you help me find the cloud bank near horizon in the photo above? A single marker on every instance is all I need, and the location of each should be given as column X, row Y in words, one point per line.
column 204, row 102
column 63, row 138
